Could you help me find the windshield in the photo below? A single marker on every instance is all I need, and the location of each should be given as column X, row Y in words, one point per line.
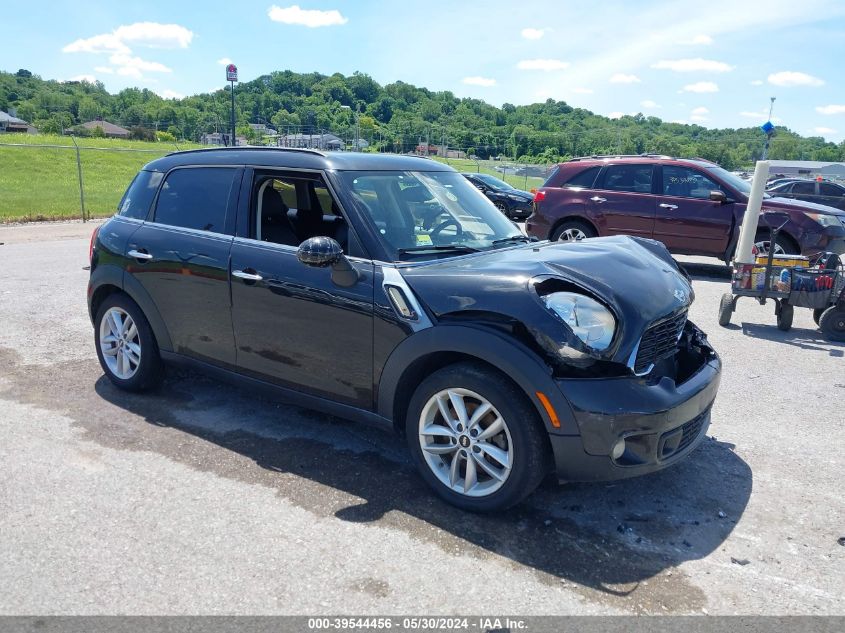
column 428, row 214
column 492, row 181
column 743, row 186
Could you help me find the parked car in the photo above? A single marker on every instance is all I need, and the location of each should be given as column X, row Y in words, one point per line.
column 693, row 206
column 818, row 191
column 333, row 281
column 513, row 202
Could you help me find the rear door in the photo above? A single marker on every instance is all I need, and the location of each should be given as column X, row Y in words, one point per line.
column 181, row 258
column 687, row 221
column 832, row 195
column 623, row 200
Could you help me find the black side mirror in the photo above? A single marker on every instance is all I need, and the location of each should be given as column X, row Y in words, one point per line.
column 718, row 196
column 322, row 252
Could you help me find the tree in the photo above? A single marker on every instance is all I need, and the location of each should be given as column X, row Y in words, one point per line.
column 24, row 73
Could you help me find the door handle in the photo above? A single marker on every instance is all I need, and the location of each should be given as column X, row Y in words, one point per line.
column 141, row 255
column 671, row 207
column 598, row 199
column 246, row 275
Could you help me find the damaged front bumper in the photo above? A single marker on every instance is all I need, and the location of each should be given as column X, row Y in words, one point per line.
column 633, row 425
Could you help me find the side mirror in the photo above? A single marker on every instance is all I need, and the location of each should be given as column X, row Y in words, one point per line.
column 322, row 252
column 718, row 196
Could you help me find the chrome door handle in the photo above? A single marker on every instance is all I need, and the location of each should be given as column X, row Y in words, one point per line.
column 242, row 274
column 598, row 199
column 671, row 207
column 135, row 254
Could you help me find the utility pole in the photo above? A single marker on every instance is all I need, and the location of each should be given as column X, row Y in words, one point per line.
column 232, row 77
column 769, row 128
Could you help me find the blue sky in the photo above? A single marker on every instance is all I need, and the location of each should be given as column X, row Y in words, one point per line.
column 712, row 62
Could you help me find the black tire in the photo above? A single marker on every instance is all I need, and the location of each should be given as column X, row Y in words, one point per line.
column 572, row 225
column 501, row 206
column 785, row 316
column 726, row 308
column 832, row 323
column 148, row 373
column 530, row 449
column 817, row 314
column 782, row 241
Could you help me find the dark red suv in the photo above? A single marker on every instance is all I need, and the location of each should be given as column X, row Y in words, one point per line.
column 693, row 206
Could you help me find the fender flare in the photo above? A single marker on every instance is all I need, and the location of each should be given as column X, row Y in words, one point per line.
column 491, row 346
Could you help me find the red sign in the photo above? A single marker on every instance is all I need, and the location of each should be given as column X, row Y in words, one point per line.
column 231, row 72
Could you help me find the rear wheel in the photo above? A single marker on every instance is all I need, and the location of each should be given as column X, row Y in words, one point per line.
column 126, row 346
column 783, row 245
column 572, row 231
column 832, row 323
column 817, row 314
column 475, row 438
column 784, row 316
column 726, row 308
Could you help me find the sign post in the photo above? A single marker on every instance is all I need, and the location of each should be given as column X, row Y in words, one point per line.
column 232, row 77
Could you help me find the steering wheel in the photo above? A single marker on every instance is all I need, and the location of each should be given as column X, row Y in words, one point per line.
column 435, row 232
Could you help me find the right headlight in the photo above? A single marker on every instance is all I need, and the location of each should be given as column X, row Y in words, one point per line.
column 591, row 322
column 826, row 219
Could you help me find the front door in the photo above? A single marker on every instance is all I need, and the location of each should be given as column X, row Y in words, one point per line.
column 292, row 324
column 687, row 221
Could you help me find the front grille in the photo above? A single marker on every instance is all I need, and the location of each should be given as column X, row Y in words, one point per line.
column 659, row 340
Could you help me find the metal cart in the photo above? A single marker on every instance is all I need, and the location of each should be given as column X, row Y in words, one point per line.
column 820, row 286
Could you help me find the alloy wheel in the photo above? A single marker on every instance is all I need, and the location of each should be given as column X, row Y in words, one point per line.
column 465, row 442
column 763, row 248
column 120, row 343
column 572, row 235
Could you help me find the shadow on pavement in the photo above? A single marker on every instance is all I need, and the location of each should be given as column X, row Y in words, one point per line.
column 609, row 537
column 798, row 337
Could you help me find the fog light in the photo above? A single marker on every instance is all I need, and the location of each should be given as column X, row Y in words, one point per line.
column 618, row 449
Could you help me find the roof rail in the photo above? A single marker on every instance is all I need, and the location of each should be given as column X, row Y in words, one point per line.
column 601, row 156
column 261, row 148
column 704, row 160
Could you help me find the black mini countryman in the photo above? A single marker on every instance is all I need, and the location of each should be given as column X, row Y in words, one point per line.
column 389, row 288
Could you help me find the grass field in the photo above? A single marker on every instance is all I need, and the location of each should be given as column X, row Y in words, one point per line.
column 39, row 181
column 489, row 167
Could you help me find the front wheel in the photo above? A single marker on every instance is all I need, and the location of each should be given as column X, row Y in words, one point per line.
column 126, row 346
column 726, row 308
column 475, row 438
column 832, row 323
column 784, row 316
column 501, row 206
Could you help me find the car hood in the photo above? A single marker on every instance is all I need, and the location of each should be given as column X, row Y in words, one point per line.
column 636, row 278
column 795, row 204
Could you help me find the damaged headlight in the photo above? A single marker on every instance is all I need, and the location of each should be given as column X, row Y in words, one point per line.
column 589, row 320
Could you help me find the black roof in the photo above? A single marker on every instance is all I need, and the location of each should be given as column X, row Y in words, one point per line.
column 295, row 158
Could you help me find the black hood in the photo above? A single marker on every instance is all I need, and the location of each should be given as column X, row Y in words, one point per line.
column 636, row 278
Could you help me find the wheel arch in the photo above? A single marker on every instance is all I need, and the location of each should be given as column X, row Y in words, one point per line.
column 432, row 349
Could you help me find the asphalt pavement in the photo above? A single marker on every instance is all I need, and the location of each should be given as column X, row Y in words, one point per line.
column 203, row 498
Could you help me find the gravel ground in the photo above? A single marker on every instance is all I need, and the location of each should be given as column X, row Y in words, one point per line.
column 205, row 499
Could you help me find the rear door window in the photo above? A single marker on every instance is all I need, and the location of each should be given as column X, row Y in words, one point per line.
column 139, row 196
column 683, row 182
column 804, row 188
column 195, row 198
column 629, row 178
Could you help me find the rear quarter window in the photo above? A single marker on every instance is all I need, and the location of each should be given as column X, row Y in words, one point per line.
column 583, row 179
column 139, row 196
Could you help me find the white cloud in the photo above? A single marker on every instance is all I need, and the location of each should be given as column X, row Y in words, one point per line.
column 532, row 34
column 105, row 70
column 681, row 121
column 757, row 82
column 697, row 40
column 106, row 43
column 615, row 115
column 312, row 18
column 155, row 35
column 171, row 94
column 701, row 86
column 127, row 65
column 831, row 109
column 649, row 104
column 824, row 130
column 693, row 65
column 88, row 78
column 479, row 81
column 789, row 78
column 698, row 118
column 622, row 78
column 224, row 61
column 583, row 91
column 542, row 64
column 700, row 110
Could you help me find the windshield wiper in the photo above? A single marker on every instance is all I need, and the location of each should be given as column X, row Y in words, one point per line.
column 454, row 248
column 514, row 239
